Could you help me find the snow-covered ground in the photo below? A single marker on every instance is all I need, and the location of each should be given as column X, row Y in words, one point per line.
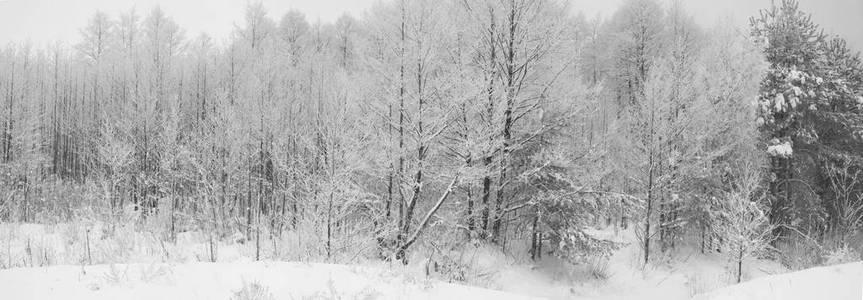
column 45, row 262
column 688, row 274
column 227, row 280
column 283, row 280
column 842, row 282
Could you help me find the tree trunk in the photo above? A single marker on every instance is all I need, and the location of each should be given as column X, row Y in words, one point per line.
column 507, row 122
column 487, row 161
column 648, row 214
column 400, row 170
column 740, row 265
column 534, row 237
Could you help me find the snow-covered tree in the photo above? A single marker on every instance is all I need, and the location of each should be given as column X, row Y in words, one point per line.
column 809, row 113
column 738, row 217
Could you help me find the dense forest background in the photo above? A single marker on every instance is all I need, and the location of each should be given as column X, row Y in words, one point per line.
column 441, row 124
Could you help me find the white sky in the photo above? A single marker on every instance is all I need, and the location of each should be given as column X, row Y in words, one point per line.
column 45, row 21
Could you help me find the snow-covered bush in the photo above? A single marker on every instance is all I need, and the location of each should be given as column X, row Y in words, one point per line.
column 580, row 247
column 780, row 149
column 841, row 255
column 252, row 291
column 475, row 263
column 798, row 253
column 567, row 217
column 599, row 268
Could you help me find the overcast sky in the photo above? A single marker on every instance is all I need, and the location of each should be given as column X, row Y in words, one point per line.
column 45, row 21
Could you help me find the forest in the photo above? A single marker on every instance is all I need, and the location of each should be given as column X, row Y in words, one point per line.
column 430, row 126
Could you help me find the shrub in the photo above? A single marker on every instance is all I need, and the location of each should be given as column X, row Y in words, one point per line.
column 599, row 268
column 252, row 291
column 841, row 255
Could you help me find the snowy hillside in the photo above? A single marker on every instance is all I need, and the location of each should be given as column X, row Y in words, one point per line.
column 834, row 282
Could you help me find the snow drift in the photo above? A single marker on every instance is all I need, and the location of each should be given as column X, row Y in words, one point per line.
column 834, row 282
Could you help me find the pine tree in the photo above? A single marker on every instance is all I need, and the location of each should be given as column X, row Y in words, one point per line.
column 809, row 114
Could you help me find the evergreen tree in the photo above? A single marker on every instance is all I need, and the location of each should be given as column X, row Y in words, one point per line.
column 809, row 114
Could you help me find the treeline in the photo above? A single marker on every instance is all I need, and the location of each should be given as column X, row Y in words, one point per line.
column 507, row 121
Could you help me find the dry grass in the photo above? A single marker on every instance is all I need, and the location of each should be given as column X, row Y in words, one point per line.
column 252, row 291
